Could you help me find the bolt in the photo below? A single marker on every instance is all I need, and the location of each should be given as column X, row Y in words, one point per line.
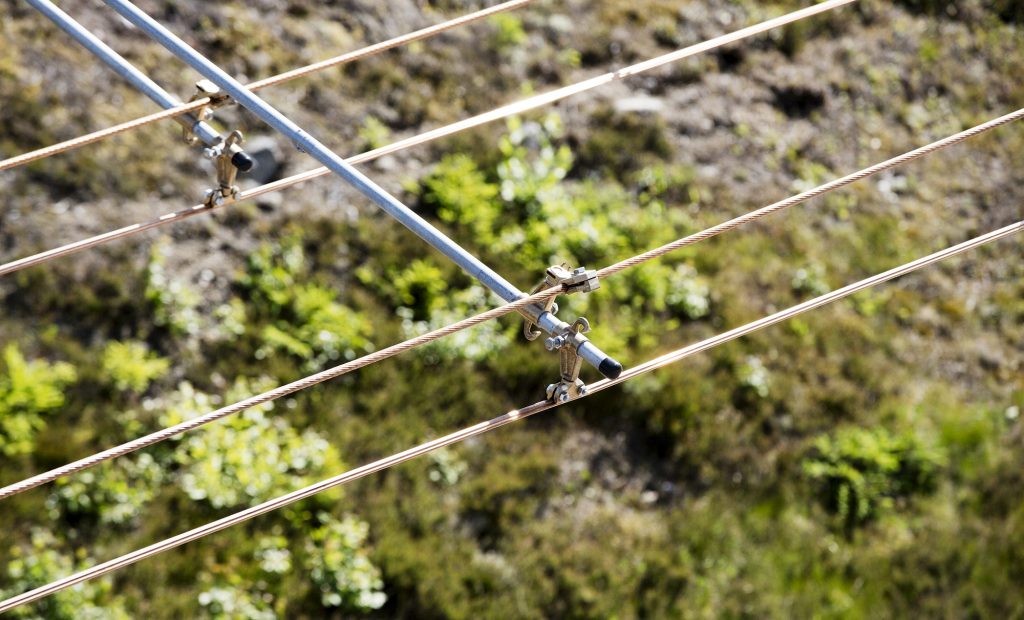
column 554, row 342
column 563, row 397
column 582, row 390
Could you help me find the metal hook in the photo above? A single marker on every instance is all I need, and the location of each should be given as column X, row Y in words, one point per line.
column 570, row 386
column 226, row 153
column 204, row 89
column 577, row 281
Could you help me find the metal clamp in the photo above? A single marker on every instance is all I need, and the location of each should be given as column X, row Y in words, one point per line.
column 567, row 339
column 579, row 280
column 570, row 387
column 225, row 156
column 205, row 89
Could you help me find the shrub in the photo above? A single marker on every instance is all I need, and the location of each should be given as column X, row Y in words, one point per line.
column 508, row 31
column 173, row 301
column 131, row 366
column 114, row 494
column 374, row 133
column 340, row 568
column 475, row 344
column 863, row 471
column 462, row 195
column 224, row 602
column 272, row 271
column 532, row 163
column 420, row 286
column 248, row 457
column 331, row 565
column 28, row 391
column 38, row 563
column 302, row 320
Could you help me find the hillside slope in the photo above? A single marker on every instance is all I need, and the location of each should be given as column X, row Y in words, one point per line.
column 861, row 461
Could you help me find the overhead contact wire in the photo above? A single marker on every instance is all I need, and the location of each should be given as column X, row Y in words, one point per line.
column 813, row 193
column 271, row 395
column 193, row 106
column 503, row 112
column 483, row 427
column 337, row 371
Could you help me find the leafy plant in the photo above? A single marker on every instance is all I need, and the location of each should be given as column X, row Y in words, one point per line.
column 810, row 280
column 272, row 271
column 302, row 320
column 248, row 457
column 374, row 133
column 508, row 31
column 40, row 562
column 420, row 286
column 446, row 467
column 28, row 391
column 755, row 377
column 114, row 494
column 224, row 602
column 340, row 568
column 688, row 292
column 331, row 565
column 462, row 195
column 864, row 471
column 477, row 344
column 532, row 164
column 131, row 366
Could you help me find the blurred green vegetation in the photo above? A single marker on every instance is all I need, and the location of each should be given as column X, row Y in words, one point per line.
column 861, row 461
column 865, row 471
column 132, row 366
column 28, row 391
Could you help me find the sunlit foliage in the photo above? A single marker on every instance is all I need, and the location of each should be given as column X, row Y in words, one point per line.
column 29, row 390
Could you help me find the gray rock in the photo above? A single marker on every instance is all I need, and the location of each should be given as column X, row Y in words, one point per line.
column 640, row 104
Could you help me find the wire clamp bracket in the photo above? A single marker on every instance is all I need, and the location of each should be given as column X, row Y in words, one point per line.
column 579, row 280
column 226, row 158
column 570, row 386
column 205, row 89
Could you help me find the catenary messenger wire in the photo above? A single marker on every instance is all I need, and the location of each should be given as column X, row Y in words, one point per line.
column 519, row 107
column 502, row 420
column 193, row 106
column 337, row 371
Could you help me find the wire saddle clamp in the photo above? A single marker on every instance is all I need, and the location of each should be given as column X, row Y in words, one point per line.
column 579, row 280
column 205, row 89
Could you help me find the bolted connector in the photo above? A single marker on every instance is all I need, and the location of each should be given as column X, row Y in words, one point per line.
column 225, row 155
column 570, row 386
column 581, row 281
column 204, row 89
column 577, row 281
column 555, row 342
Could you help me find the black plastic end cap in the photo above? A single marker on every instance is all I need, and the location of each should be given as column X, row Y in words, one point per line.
column 610, row 368
column 243, row 161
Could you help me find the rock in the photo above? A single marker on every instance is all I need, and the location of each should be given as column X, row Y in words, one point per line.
column 640, row 104
column 560, row 23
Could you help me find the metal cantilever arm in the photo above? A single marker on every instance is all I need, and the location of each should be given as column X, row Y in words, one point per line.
column 336, row 164
column 202, row 130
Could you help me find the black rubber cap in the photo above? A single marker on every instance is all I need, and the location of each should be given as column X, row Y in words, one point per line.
column 610, row 368
column 243, row 161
